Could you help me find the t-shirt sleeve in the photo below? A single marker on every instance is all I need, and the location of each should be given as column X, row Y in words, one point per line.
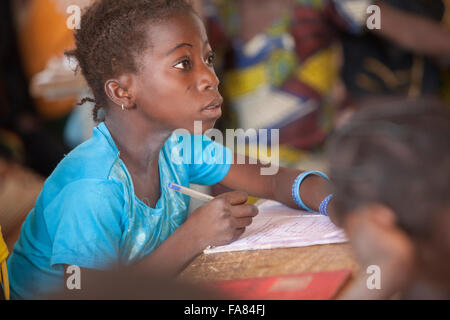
column 210, row 163
column 87, row 221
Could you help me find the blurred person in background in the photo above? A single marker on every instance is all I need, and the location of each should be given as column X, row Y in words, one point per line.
column 393, row 159
column 304, row 66
column 44, row 34
column 406, row 57
column 25, row 137
column 281, row 64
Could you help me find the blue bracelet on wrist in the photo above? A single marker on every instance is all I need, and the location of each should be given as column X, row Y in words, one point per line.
column 324, row 205
column 296, row 187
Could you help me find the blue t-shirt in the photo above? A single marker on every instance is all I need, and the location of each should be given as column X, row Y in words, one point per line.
column 88, row 214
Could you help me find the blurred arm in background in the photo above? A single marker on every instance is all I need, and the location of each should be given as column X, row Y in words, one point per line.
column 413, row 32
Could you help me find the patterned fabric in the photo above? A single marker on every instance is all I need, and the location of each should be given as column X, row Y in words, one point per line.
column 278, row 79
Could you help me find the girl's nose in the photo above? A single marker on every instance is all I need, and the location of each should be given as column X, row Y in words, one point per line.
column 208, row 79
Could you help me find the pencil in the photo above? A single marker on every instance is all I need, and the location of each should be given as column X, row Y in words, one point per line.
column 192, row 193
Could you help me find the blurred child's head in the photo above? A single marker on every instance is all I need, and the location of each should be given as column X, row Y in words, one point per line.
column 392, row 162
column 153, row 58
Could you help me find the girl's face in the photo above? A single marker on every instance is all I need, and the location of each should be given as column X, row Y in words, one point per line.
column 176, row 83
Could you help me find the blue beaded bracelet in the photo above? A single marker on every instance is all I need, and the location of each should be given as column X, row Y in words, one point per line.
column 296, row 187
column 324, row 205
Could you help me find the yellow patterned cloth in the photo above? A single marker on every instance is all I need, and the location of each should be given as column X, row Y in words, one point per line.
column 3, row 270
column 281, row 76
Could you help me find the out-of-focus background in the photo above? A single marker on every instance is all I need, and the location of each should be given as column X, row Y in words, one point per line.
column 301, row 66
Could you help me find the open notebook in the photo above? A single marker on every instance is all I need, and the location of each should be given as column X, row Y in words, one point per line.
column 278, row 226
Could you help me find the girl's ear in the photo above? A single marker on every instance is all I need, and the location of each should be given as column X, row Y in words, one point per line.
column 120, row 91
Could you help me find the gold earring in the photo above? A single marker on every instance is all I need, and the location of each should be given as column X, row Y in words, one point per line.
column 123, row 107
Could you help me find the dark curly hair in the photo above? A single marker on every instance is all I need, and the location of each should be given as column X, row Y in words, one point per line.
column 396, row 154
column 111, row 37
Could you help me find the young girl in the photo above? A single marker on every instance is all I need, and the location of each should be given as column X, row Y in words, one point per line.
column 150, row 67
column 394, row 161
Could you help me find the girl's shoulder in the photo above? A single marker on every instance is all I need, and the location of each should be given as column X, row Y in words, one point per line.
column 93, row 159
column 90, row 163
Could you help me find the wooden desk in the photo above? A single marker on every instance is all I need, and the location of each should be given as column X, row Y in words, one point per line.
column 19, row 188
column 261, row 263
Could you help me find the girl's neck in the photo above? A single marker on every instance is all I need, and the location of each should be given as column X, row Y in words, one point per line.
column 139, row 142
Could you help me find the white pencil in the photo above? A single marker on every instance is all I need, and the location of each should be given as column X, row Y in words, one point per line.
column 192, row 193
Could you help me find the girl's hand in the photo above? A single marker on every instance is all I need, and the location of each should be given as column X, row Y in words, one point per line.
column 222, row 220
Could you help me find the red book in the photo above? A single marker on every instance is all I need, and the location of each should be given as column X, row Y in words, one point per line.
column 304, row 286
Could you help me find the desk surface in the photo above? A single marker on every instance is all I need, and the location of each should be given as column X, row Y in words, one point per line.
column 262, row 263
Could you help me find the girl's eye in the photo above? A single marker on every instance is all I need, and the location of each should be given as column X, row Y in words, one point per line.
column 186, row 64
column 211, row 58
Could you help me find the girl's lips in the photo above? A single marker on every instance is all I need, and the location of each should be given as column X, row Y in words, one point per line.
column 213, row 109
column 213, row 112
column 216, row 102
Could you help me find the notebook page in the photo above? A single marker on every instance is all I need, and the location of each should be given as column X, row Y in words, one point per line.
column 278, row 226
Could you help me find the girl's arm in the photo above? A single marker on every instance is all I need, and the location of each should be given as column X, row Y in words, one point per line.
column 173, row 255
column 166, row 262
column 218, row 222
column 170, row 258
column 247, row 177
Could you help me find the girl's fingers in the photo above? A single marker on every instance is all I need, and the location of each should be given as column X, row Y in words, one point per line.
column 244, row 210
column 238, row 233
column 242, row 222
column 234, row 197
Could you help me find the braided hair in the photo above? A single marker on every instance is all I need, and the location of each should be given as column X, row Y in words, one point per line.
column 112, row 34
column 397, row 155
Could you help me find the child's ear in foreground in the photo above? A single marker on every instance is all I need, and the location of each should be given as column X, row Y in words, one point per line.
column 379, row 244
column 380, row 214
column 120, row 90
column 376, row 237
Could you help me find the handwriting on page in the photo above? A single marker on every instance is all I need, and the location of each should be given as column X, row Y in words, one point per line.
column 277, row 226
